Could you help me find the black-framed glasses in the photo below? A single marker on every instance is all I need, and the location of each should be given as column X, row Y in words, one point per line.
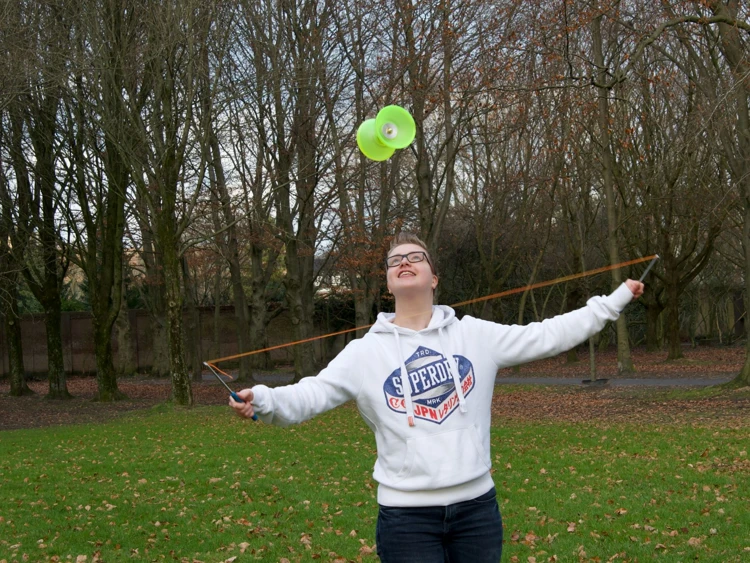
column 411, row 257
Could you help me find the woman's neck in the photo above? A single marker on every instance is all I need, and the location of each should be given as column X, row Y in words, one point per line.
column 412, row 315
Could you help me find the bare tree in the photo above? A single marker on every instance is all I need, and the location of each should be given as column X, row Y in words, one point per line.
column 10, row 265
column 34, row 115
column 439, row 79
column 167, row 164
column 729, row 17
column 364, row 190
column 228, row 223
column 97, row 140
column 670, row 164
column 12, row 210
column 286, row 40
column 733, row 45
column 607, row 163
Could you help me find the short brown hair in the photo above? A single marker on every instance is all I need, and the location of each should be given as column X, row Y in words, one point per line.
column 405, row 237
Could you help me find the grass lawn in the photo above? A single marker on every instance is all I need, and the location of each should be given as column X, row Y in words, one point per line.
column 202, row 485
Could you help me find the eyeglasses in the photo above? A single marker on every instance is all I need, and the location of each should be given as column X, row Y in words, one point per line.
column 411, row 257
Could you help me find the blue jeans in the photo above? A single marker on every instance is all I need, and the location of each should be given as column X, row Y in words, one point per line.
column 465, row 532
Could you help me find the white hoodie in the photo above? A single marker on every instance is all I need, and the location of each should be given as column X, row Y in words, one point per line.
column 433, row 435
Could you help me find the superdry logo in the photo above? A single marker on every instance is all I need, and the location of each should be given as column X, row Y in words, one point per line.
column 433, row 392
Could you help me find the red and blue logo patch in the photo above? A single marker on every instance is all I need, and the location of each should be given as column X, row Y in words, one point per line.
column 433, row 392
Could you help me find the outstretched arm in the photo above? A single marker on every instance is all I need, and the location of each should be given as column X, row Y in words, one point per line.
column 295, row 403
column 519, row 344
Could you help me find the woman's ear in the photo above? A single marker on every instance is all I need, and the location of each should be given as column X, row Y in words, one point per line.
column 434, row 282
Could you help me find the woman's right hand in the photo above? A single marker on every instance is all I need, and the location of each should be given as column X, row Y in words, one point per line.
column 244, row 410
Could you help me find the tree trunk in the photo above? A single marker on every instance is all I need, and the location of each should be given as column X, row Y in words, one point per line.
column 216, row 353
column 671, row 288
column 304, row 354
column 160, row 350
column 182, row 393
column 653, row 339
column 733, row 50
column 257, row 333
column 258, row 309
column 674, row 343
column 47, row 292
column 592, row 358
column 624, row 360
column 106, row 375
column 58, row 386
column 153, row 289
column 743, row 378
column 230, row 244
column 300, row 244
column 363, row 310
column 9, row 278
column 125, row 360
column 18, row 386
column 241, row 313
column 192, row 334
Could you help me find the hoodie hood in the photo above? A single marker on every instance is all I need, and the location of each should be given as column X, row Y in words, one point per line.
column 442, row 316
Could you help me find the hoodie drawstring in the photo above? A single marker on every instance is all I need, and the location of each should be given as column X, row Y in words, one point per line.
column 453, row 367
column 405, row 385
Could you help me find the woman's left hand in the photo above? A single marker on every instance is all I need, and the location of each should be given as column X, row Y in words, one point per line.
column 635, row 287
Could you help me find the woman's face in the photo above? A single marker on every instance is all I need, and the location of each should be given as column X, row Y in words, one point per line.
column 410, row 278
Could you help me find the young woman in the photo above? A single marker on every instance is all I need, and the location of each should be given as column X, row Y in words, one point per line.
column 423, row 383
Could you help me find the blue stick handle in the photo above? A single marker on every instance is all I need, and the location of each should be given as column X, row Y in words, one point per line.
column 237, row 398
column 650, row 265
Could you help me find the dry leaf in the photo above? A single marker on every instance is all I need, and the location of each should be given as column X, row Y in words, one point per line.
column 366, row 550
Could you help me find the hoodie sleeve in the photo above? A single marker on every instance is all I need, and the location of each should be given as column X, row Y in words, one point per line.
column 333, row 386
column 516, row 344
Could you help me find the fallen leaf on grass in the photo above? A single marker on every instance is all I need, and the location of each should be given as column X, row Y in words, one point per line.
column 367, row 550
